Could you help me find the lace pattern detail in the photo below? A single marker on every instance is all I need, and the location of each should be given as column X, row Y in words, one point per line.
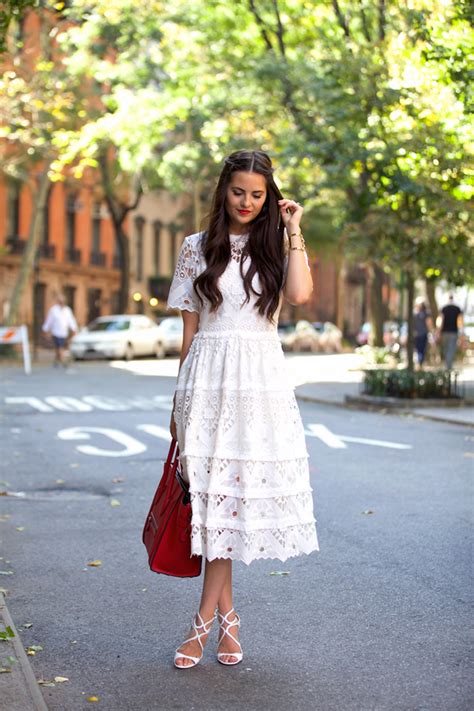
column 281, row 543
column 240, row 434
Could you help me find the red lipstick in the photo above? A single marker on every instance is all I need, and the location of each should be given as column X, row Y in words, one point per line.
column 244, row 212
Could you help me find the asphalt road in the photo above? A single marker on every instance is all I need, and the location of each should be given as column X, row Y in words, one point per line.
column 377, row 620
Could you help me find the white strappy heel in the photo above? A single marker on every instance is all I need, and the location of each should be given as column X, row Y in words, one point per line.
column 224, row 625
column 200, row 629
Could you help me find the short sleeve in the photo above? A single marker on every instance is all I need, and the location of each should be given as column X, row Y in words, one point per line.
column 181, row 294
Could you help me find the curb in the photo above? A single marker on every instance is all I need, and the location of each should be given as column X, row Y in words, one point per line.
column 374, row 407
column 21, row 678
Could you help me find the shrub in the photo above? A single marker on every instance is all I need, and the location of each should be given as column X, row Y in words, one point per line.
column 409, row 384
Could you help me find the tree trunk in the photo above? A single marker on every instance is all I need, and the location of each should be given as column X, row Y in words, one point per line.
column 410, row 306
column 124, row 251
column 430, row 292
column 197, row 204
column 340, row 291
column 34, row 237
column 377, row 308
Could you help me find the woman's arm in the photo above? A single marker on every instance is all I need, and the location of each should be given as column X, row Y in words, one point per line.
column 190, row 328
column 299, row 282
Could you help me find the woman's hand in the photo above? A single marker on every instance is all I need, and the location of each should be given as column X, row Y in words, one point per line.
column 291, row 214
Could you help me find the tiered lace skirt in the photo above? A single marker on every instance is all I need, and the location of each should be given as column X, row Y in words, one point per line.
column 243, row 450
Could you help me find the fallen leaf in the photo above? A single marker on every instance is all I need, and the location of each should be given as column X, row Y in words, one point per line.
column 60, row 679
column 20, row 528
column 3, row 493
column 95, row 563
column 45, row 682
column 114, row 502
column 144, row 589
column 5, row 517
column 280, row 572
column 5, row 670
column 92, row 698
column 6, row 572
column 8, row 634
column 35, row 647
column 118, row 480
column 60, row 481
column 30, row 652
column 27, row 625
column 4, row 591
column 368, row 511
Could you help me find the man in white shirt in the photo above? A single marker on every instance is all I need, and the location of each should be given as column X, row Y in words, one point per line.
column 59, row 321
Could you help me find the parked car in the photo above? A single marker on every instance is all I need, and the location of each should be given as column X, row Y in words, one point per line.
column 118, row 336
column 170, row 337
column 315, row 337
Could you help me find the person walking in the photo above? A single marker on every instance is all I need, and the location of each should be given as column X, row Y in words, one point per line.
column 235, row 415
column 449, row 322
column 59, row 323
column 422, row 325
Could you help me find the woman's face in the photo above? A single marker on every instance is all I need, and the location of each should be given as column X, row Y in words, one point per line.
column 245, row 197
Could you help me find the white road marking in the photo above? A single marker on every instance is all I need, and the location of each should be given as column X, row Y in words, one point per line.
column 67, row 404
column 375, row 442
column 33, row 402
column 131, row 445
column 156, row 431
column 102, row 402
column 87, row 403
column 325, row 435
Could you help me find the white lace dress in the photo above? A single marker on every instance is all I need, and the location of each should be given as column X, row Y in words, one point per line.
column 240, row 434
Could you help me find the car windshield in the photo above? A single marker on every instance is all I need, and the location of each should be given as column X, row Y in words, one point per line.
column 112, row 325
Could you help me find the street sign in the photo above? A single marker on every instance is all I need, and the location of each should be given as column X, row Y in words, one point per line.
column 18, row 334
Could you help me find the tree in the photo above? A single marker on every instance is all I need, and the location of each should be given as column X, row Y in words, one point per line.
column 36, row 100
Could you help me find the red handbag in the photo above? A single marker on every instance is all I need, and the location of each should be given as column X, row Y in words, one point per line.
column 167, row 530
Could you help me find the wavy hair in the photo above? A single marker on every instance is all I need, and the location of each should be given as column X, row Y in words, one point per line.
column 264, row 246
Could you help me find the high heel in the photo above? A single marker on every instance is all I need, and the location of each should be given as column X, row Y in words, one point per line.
column 224, row 625
column 200, row 629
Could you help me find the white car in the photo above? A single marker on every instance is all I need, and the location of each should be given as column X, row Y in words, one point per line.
column 119, row 336
column 170, row 337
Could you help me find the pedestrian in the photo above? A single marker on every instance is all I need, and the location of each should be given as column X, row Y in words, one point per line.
column 59, row 323
column 422, row 326
column 235, row 416
column 449, row 322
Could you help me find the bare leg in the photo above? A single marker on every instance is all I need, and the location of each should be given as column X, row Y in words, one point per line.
column 216, row 573
column 224, row 605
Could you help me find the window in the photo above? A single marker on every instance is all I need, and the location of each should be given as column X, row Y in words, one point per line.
column 139, row 226
column 70, row 293
column 157, row 225
column 14, row 190
column 96, row 226
column 70, row 221
column 93, row 304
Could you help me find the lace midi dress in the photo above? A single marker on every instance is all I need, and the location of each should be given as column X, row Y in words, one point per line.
column 240, row 434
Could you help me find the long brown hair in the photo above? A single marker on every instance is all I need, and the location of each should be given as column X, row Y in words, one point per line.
column 264, row 246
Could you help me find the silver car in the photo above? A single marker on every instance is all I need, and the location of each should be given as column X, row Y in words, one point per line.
column 119, row 336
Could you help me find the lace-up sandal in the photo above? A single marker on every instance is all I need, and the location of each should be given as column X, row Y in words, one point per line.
column 200, row 628
column 224, row 626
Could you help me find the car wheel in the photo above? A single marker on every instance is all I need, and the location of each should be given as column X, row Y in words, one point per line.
column 160, row 350
column 128, row 354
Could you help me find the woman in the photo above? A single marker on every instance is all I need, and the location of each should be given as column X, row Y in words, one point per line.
column 241, row 439
column 422, row 326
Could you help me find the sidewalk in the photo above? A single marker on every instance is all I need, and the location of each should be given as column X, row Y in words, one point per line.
column 334, row 393
column 19, row 690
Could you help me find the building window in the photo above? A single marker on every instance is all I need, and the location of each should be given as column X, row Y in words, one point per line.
column 96, row 227
column 70, row 296
column 93, row 304
column 157, row 225
column 14, row 190
column 139, row 227
column 70, row 221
